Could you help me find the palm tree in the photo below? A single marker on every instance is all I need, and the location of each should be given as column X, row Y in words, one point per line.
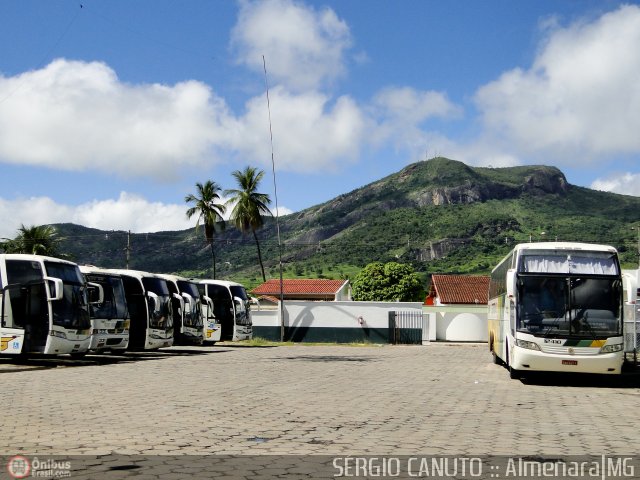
column 207, row 208
column 250, row 206
column 34, row 240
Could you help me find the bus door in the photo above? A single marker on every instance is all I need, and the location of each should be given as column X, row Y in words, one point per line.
column 25, row 316
column 178, row 308
column 242, row 313
column 223, row 309
column 137, row 305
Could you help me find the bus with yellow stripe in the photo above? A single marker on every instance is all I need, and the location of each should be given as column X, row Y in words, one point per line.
column 557, row 306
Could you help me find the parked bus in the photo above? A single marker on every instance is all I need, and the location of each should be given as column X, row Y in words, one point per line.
column 109, row 319
column 231, row 308
column 150, row 310
column 44, row 307
column 557, row 306
column 187, row 310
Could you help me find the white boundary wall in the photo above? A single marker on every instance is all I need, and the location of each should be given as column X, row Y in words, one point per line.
column 332, row 314
column 463, row 323
column 460, row 323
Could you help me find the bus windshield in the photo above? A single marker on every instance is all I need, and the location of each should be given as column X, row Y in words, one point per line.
column 576, row 306
column 574, row 262
column 115, row 303
column 192, row 316
column 72, row 310
column 242, row 311
column 160, row 318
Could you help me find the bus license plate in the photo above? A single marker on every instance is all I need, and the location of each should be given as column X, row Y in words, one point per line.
column 569, row 362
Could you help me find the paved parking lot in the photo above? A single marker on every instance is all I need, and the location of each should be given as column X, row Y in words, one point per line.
column 228, row 399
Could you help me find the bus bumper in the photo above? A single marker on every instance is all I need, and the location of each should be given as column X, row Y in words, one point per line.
column 57, row 345
column 524, row 360
column 101, row 342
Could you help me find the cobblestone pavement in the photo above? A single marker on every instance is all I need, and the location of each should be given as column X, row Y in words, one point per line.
column 439, row 399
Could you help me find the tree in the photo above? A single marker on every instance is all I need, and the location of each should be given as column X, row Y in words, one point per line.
column 34, row 240
column 387, row 282
column 249, row 205
column 208, row 209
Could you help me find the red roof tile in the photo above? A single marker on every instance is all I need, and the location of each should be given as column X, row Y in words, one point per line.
column 467, row 289
column 299, row 286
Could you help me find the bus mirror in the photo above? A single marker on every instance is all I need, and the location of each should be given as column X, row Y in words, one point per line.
column 239, row 304
column 153, row 299
column 207, row 301
column 96, row 293
column 55, row 288
column 510, row 283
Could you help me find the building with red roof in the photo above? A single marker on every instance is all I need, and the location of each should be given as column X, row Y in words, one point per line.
column 458, row 290
column 457, row 307
column 304, row 289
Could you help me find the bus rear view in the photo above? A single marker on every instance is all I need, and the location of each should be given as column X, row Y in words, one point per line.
column 557, row 307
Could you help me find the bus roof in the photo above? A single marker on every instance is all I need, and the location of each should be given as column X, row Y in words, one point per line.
column 174, row 278
column 573, row 246
column 97, row 270
column 139, row 274
column 590, row 247
column 26, row 256
column 225, row 283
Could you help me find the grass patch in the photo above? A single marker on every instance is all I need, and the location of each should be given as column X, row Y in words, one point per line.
column 263, row 342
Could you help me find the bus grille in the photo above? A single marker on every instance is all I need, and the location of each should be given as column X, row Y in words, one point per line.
column 562, row 350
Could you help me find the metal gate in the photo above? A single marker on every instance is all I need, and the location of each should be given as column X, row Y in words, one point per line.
column 408, row 327
column 631, row 330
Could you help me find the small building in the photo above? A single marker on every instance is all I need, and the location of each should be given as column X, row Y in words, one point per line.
column 458, row 290
column 457, row 305
column 320, row 289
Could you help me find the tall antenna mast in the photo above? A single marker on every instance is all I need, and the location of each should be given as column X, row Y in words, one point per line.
column 275, row 194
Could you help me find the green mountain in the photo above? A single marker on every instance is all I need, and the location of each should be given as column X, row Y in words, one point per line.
column 439, row 215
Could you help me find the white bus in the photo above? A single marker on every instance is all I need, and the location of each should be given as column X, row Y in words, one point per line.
column 44, row 307
column 188, row 310
column 231, row 308
column 557, row 306
column 150, row 309
column 109, row 319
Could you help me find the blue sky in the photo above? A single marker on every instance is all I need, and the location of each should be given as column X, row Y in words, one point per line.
column 110, row 112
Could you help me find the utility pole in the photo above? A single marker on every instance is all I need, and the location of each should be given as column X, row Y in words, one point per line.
column 128, row 247
column 638, row 229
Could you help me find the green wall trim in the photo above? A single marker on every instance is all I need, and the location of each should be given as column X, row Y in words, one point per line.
column 326, row 334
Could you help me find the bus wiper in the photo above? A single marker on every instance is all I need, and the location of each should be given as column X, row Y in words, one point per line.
column 583, row 320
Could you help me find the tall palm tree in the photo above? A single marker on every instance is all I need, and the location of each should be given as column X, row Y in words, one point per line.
column 34, row 240
column 249, row 205
column 208, row 209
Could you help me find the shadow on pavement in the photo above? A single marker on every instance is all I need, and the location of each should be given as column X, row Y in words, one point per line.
column 22, row 363
column 628, row 379
column 329, row 358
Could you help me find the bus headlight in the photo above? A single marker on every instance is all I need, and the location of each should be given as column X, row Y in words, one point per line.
column 55, row 333
column 616, row 347
column 528, row 345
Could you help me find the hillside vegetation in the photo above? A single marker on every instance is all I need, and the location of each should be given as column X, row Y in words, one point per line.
column 440, row 216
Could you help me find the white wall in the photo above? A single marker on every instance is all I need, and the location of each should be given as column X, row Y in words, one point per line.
column 332, row 314
column 461, row 323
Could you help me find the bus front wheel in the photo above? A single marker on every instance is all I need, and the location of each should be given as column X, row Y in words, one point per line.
column 513, row 373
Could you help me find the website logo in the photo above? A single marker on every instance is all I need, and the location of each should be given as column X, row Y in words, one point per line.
column 19, row 466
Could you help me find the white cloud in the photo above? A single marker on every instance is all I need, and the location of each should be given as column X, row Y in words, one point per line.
column 79, row 116
column 624, row 183
column 310, row 132
column 304, row 48
column 400, row 113
column 75, row 116
column 127, row 212
column 580, row 99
